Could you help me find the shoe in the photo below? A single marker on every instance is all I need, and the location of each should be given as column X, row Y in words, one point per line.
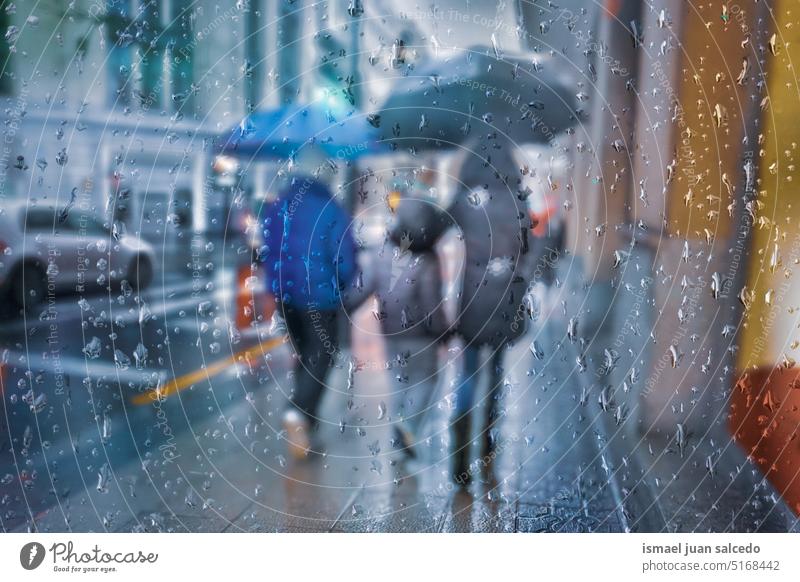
column 461, row 446
column 297, row 436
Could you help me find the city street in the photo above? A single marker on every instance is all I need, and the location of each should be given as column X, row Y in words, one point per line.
column 106, row 452
column 210, row 456
column 246, row 245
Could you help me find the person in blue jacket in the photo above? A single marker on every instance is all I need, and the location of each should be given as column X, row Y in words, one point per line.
column 310, row 259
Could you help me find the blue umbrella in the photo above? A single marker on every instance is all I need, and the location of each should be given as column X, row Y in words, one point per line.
column 281, row 132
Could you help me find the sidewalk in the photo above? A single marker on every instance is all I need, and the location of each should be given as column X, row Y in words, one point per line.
column 563, row 464
column 232, row 473
column 698, row 482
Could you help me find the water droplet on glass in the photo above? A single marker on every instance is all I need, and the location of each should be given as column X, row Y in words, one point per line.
column 92, row 349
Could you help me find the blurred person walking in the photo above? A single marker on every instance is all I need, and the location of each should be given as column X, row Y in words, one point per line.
column 310, row 258
column 407, row 283
column 492, row 216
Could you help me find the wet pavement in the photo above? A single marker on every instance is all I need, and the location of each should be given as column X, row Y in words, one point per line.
column 105, row 453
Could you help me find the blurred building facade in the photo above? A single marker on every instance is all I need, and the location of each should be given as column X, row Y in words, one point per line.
column 114, row 103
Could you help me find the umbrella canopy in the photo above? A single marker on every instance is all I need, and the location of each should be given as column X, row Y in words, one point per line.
column 418, row 223
column 521, row 97
column 282, row 132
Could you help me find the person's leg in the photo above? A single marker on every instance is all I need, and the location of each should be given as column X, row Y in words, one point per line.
column 461, row 427
column 398, row 353
column 494, row 392
column 298, row 336
column 414, row 367
column 397, row 367
column 423, row 371
column 319, row 350
column 296, row 423
column 465, row 393
column 296, row 331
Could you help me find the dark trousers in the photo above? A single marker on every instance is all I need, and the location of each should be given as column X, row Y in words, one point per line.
column 314, row 339
column 465, row 393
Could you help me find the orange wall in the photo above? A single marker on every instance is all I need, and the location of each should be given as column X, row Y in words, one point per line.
column 771, row 328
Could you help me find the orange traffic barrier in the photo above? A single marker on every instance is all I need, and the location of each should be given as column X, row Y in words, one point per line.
column 540, row 219
column 254, row 304
column 765, row 420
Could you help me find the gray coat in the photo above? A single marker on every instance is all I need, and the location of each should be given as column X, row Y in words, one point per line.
column 493, row 220
column 408, row 294
column 405, row 276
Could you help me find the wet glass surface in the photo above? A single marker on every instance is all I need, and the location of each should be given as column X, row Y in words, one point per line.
column 375, row 267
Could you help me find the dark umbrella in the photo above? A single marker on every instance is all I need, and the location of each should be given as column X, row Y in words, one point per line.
column 521, row 97
column 281, row 132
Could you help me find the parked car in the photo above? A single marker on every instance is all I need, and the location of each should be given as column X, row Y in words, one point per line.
column 48, row 250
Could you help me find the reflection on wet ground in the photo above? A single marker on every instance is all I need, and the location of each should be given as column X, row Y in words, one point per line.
column 106, row 454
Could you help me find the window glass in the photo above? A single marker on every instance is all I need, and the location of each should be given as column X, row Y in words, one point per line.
column 39, row 219
column 152, row 41
column 182, row 56
column 5, row 56
column 85, row 224
column 120, row 33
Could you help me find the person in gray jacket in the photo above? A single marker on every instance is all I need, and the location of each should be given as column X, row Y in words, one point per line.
column 408, row 304
column 490, row 211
